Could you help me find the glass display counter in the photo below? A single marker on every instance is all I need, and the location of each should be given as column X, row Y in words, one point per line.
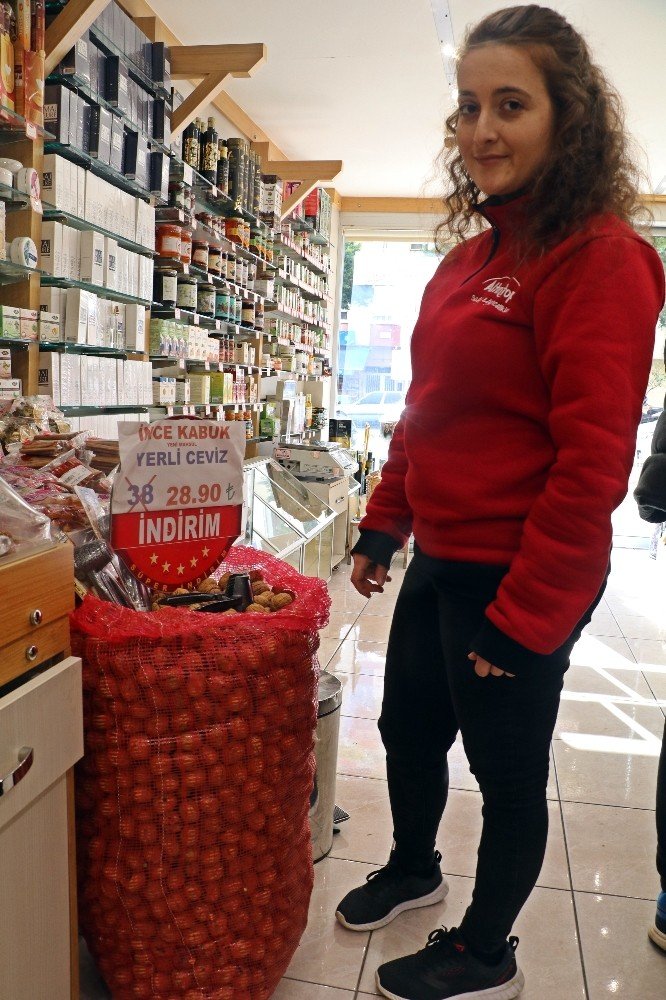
column 287, row 519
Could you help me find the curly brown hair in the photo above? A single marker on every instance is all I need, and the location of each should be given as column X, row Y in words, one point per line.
column 590, row 168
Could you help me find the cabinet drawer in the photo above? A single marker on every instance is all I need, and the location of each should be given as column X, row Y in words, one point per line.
column 46, row 716
column 335, row 494
column 33, row 648
column 36, row 591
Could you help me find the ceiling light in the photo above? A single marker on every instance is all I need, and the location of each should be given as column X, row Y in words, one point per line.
column 448, row 50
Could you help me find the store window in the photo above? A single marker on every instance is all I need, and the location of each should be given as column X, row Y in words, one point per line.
column 382, row 290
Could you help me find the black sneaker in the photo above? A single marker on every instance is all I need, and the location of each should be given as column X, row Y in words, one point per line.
column 657, row 932
column 446, row 969
column 388, row 892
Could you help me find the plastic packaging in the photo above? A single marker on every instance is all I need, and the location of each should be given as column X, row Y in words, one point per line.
column 21, row 527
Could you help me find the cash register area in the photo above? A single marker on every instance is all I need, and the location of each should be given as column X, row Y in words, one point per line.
column 584, row 929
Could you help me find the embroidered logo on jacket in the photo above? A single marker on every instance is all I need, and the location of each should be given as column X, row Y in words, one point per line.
column 499, row 292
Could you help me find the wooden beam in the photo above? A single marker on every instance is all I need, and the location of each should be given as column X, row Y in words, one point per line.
column 191, row 61
column 413, row 206
column 202, row 95
column 334, row 195
column 300, row 170
column 64, row 32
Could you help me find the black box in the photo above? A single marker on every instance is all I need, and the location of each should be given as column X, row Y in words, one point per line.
column 135, row 158
column 159, row 174
column 93, row 58
column 117, row 84
column 86, row 115
column 56, row 111
column 161, row 66
column 119, row 27
column 160, row 125
column 117, row 141
column 77, row 61
column 339, row 429
column 101, row 123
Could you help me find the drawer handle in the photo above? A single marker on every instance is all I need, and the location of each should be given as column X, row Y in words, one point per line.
column 25, row 759
column 31, row 653
column 36, row 617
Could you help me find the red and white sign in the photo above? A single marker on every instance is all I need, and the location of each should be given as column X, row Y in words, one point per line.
column 177, row 499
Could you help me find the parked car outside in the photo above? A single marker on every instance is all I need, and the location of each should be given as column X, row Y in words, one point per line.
column 373, row 408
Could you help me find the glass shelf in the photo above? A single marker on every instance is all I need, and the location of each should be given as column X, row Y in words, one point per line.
column 12, row 198
column 11, row 273
column 15, row 128
column 287, row 250
column 135, row 71
column 62, row 347
column 49, row 281
column 15, row 342
column 92, row 411
column 102, row 170
column 51, row 213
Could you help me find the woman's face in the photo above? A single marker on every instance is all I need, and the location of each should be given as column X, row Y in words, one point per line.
column 505, row 118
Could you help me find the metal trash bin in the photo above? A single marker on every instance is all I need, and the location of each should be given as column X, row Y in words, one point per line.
column 322, row 800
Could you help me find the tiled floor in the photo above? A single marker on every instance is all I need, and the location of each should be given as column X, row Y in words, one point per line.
column 583, row 931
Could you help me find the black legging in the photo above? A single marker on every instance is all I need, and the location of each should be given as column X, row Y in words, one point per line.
column 661, row 814
column 431, row 691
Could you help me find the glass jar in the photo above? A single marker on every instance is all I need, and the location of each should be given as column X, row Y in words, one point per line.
column 165, row 288
column 247, row 313
column 235, row 229
column 215, row 259
column 185, row 247
column 178, row 197
column 239, row 310
column 251, row 275
column 222, row 304
column 231, row 267
column 244, row 273
column 187, row 292
column 231, row 312
column 168, row 238
column 206, row 299
column 200, row 254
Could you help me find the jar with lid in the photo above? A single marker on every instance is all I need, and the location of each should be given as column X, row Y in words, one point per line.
column 206, row 299
column 249, row 424
column 244, row 273
column 165, row 287
column 231, row 311
column 177, row 196
column 215, row 259
column 247, row 313
column 168, row 238
column 255, row 241
column 234, row 229
column 187, row 292
column 239, row 310
column 185, row 246
column 231, row 267
column 259, row 316
column 251, row 275
column 222, row 304
column 200, row 254
column 206, row 219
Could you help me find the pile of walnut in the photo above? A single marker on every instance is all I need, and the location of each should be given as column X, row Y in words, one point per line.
column 266, row 598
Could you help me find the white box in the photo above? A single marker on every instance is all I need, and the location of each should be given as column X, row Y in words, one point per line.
column 49, row 326
column 110, row 263
column 10, row 388
column 5, row 363
column 146, row 266
column 93, row 332
column 76, row 320
column 50, row 248
column 145, row 224
column 70, row 380
column 92, row 200
column 81, row 181
column 135, row 328
column 92, row 258
column 55, row 181
column 120, row 382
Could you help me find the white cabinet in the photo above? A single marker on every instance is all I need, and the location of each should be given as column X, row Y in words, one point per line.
column 43, row 715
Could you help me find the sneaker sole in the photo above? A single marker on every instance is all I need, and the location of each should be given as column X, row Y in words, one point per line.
column 507, row 991
column 410, row 904
column 657, row 936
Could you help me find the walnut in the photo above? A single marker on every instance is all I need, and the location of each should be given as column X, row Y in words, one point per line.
column 255, row 574
column 279, row 601
column 209, row 586
column 256, row 609
column 264, row 599
column 260, row 587
column 180, row 591
column 223, row 581
column 230, row 611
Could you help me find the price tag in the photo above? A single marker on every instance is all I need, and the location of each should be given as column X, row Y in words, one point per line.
column 31, row 130
column 176, row 503
column 282, row 453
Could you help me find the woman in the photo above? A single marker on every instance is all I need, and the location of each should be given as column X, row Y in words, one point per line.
column 530, row 360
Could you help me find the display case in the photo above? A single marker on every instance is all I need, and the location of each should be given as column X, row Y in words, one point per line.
column 287, row 519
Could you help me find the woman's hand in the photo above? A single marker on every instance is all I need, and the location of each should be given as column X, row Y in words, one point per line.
column 368, row 577
column 483, row 668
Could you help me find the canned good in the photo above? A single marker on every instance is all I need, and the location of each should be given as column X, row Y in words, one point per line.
column 206, row 299
column 187, row 292
column 165, row 288
column 168, row 238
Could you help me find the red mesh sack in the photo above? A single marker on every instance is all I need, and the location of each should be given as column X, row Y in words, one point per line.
column 193, row 841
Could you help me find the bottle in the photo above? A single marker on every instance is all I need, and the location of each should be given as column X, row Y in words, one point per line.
column 308, row 411
column 191, row 145
column 222, row 167
column 256, row 194
column 202, row 144
column 251, row 167
column 234, row 147
column 210, row 153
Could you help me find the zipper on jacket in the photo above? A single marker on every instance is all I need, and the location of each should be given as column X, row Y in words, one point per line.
column 493, row 251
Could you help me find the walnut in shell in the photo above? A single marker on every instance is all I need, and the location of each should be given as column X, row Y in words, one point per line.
column 209, row 586
column 260, row 587
column 264, row 599
column 279, row 601
column 257, row 609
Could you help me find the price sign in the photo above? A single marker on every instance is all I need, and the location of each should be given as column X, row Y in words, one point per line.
column 177, row 499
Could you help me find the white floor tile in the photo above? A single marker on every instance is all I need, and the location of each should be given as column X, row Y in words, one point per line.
column 290, row 989
column 611, row 850
column 615, row 779
column 360, row 658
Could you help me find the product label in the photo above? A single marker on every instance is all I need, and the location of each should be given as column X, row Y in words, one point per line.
column 177, row 501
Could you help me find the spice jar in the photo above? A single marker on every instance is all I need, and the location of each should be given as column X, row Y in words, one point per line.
column 248, row 313
column 238, row 319
column 200, row 254
column 222, row 304
column 185, row 247
column 215, row 259
column 242, row 278
column 251, row 275
column 187, row 292
column 165, row 288
column 168, row 239
column 206, row 299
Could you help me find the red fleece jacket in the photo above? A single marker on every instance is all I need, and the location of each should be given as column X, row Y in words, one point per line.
column 518, row 435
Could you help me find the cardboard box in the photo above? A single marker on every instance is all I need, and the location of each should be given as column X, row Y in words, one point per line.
column 159, row 175
column 23, row 19
column 76, row 320
column 77, row 62
column 144, row 229
column 49, row 327
column 117, row 138
column 84, row 144
column 160, row 120
column 10, row 388
column 160, row 64
column 29, row 324
column 70, row 379
column 51, row 248
column 100, row 133
column 92, row 258
column 116, row 84
column 110, row 263
column 33, row 82
column 56, row 112
column 55, row 181
column 135, row 328
column 135, row 158
column 80, row 186
column 48, row 375
column 5, row 362
column 93, row 338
